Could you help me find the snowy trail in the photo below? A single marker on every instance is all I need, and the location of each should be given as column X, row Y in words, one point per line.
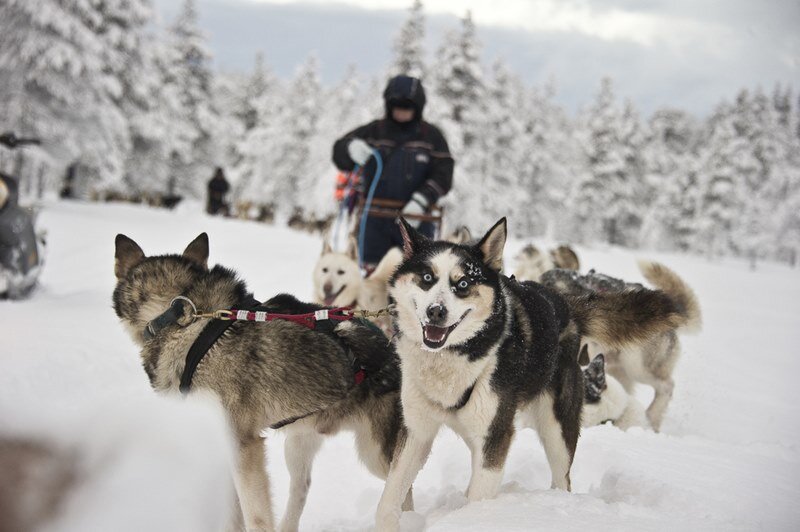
column 728, row 457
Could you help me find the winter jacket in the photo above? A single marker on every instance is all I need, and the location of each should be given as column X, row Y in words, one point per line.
column 217, row 187
column 415, row 158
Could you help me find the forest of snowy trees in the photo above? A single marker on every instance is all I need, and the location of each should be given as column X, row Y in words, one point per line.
column 142, row 113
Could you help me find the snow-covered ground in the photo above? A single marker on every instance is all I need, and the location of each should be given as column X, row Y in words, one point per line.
column 727, row 459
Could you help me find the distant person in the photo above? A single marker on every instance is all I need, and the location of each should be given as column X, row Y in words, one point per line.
column 417, row 165
column 68, row 188
column 218, row 186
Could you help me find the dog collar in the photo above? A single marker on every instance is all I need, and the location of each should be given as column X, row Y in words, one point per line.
column 167, row 318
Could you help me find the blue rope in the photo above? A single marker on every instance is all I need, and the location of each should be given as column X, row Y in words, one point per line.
column 363, row 227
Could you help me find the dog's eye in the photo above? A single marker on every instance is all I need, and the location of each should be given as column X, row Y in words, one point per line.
column 428, row 278
column 324, row 270
column 340, row 272
column 462, row 284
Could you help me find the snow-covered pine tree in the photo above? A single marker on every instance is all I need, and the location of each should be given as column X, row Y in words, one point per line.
column 409, row 54
column 295, row 174
column 345, row 109
column 755, row 227
column 726, row 160
column 193, row 153
column 256, row 87
column 670, row 192
column 57, row 82
column 254, row 172
column 778, row 153
column 603, row 197
column 629, row 191
column 228, row 92
column 134, row 90
column 549, row 166
column 458, row 106
column 502, row 192
column 152, row 107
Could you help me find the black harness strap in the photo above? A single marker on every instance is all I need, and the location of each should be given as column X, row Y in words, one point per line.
column 216, row 328
column 205, row 340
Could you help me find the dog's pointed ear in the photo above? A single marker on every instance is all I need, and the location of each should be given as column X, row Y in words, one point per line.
column 197, row 251
column 352, row 248
column 127, row 254
column 492, row 244
column 583, row 356
column 412, row 240
column 597, row 366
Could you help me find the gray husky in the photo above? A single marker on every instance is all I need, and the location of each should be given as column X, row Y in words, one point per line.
column 478, row 349
column 646, row 355
column 264, row 374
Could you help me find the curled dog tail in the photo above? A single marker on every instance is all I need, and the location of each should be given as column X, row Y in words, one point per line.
column 668, row 282
column 619, row 319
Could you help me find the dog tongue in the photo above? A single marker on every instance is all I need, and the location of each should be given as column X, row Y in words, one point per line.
column 329, row 299
column 434, row 333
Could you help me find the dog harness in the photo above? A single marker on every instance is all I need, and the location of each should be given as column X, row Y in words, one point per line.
column 250, row 309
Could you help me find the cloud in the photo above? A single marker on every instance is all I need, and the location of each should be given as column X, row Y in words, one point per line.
column 683, row 53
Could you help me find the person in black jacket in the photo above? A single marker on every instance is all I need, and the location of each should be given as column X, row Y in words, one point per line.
column 417, row 165
column 217, row 188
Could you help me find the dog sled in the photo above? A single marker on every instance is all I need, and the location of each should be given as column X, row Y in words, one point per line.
column 387, row 208
column 357, row 205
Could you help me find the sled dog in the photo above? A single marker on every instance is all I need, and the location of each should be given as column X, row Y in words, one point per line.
column 272, row 374
column 338, row 282
column 336, row 277
column 648, row 356
column 565, row 257
column 476, row 348
column 461, row 235
column 532, row 263
column 606, row 400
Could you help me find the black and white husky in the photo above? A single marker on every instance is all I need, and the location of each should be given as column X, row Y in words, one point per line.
column 476, row 349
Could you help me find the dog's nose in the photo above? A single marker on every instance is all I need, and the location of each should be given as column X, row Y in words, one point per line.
column 327, row 288
column 436, row 313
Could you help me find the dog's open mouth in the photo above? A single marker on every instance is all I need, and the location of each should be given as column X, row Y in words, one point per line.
column 435, row 337
column 331, row 297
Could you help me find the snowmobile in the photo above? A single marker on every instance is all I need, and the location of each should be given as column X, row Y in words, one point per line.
column 21, row 247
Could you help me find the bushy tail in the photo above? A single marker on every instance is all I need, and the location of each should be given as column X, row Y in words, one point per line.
column 619, row 319
column 668, row 282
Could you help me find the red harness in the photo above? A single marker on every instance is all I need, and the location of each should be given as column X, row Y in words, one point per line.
column 309, row 319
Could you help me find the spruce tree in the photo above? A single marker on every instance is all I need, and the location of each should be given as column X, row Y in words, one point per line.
column 193, row 153
column 669, row 191
column 409, row 55
column 458, row 105
column 601, row 193
column 57, row 78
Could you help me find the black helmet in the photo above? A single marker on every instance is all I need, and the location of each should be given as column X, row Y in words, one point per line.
column 404, row 91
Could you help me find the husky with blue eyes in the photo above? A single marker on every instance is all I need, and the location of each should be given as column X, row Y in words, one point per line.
column 478, row 349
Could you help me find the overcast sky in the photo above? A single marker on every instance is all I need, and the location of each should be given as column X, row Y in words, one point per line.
column 683, row 53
